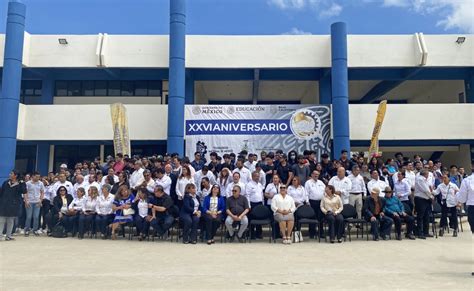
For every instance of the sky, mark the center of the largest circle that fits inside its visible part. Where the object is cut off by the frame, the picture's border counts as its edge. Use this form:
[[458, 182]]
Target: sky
[[248, 17]]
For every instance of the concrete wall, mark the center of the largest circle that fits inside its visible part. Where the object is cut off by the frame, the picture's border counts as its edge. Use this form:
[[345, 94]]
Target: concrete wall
[[107, 100]]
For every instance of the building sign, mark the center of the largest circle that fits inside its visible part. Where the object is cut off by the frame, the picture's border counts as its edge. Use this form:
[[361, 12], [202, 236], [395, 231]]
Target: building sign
[[255, 128]]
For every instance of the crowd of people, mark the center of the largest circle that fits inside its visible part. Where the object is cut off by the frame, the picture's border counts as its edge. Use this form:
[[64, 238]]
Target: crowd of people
[[152, 193]]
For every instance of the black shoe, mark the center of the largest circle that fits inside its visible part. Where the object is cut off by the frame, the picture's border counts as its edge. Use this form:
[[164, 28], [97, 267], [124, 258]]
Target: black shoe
[[411, 236], [333, 241], [455, 233], [384, 237], [422, 237], [241, 240], [232, 238], [375, 238], [185, 242], [399, 237], [194, 242], [339, 241], [429, 235], [441, 232], [209, 242]]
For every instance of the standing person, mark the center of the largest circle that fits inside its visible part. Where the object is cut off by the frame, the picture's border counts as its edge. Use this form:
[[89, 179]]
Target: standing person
[[163, 180], [213, 209], [46, 203], [269, 169], [342, 184], [331, 207], [119, 165], [237, 207], [301, 170], [254, 192], [137, 176], [245, 175], [123, 209], [224, 179], [272, 189], [315, 189], [423, 200], [104, 213], [122, 181], [204, 173], [198, 162], [184, 179], [297, 192], [402, 189], [63, 182], [283, 207], [236, 181], [283, 171], [358, 190], [190, 214], [33, 200], [10, 202], [376, 182], [448, 191]]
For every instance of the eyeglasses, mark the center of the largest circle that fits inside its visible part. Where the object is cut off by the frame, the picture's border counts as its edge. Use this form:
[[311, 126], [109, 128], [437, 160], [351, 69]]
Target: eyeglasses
[[234, 191]]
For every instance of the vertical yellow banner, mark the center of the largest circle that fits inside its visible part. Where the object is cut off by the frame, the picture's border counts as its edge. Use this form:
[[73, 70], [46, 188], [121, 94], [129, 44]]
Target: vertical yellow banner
[[120, 128], [374, 141]]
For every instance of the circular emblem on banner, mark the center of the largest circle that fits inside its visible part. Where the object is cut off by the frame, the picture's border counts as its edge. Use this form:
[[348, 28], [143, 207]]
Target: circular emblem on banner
[[230, 109], [196, 110], [305, 124], [273, 109]]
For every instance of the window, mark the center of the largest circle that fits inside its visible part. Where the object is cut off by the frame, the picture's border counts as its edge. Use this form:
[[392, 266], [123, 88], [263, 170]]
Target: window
[[74, 88], [127, 88], [114, 88], [141, 88], [30, 91], [154, 88], [88, 88], [61, 88], [100, 88]]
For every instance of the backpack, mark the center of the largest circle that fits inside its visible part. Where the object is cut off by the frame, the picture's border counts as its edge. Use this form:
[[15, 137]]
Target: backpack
[[58, 231]]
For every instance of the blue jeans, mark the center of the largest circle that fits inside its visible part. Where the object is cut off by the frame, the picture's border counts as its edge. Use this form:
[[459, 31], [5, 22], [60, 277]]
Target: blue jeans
[[32, 211]]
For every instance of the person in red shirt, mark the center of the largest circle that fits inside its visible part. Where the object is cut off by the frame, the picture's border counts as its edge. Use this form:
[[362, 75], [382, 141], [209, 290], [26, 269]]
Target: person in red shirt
[[119, 164]]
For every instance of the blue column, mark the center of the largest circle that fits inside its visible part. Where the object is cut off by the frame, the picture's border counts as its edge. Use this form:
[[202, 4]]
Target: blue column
[[42, 158], [47, 91], [339, 84], [177, 77], [11, 80], [469, 88], [189, 88], [325, 94]]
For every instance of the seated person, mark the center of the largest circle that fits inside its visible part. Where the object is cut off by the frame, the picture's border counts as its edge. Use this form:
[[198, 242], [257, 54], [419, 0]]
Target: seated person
[[161, 206], [213, 209], [283, 207], [190, 214], [331, 206], [237, 208], [59, 209], [396, 211], [86, 218], [142, 213], [373, 210], [123, 208], [104, 213], [74, 210]]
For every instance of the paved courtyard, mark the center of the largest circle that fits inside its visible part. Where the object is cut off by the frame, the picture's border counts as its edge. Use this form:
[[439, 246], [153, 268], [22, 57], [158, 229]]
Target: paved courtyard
[[41, 263]]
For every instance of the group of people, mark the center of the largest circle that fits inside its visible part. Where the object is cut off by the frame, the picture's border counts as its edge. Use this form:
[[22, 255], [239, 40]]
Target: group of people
[[152, 193]]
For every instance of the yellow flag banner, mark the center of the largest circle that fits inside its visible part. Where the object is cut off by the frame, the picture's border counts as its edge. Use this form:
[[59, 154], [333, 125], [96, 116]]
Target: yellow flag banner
[[374, 141], [120, 128]]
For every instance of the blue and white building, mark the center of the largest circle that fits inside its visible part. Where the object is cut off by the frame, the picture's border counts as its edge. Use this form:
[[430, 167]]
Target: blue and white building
[[56, 89]]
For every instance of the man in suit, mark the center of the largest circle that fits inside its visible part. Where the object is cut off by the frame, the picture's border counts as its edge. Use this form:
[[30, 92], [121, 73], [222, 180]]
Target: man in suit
[[380, 223]]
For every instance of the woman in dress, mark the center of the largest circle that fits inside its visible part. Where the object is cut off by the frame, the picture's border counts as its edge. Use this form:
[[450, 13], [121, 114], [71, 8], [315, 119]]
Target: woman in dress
[[123, 209]]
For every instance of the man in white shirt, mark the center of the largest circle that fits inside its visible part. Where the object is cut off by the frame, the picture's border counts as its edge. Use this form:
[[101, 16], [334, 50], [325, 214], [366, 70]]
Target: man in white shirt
[[410, 175], [254, 192], [251, 163], [342, 184], [402, 189], [92, 182], [376, 183], [204, 172], [423, 200], [111, 177], [315, 191], [235, 181], [147, 182], [163, 180], [448, 191], [466, 195], [357, 191], [80, 183], [245, 175], [63, 182], [137, 175]]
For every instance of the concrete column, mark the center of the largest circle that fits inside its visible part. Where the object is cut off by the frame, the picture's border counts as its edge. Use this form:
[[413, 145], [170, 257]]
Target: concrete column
[[469, 88], [176, 97], [189, 90], [339, 84], [42, 158], [11, 80], [325, 94], [47, 91]]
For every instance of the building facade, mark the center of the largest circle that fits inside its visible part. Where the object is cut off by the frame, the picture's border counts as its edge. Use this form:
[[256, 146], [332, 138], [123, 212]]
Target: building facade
[[56, 89]]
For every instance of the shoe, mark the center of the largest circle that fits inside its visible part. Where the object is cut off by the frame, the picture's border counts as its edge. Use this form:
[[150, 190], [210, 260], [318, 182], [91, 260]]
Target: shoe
[[399, 237], [384, 237], [411, 236], [429, 235], [422, 237], [339, 241], [455, 233], [375, 238], [36, 233], [49, 233], [103, 236], [212, 241], [284, 241], [185, 242], [194, 242], [20, 231], [39, 231], [27, 233], [8, 238], [209, 242], [288, 242], [114, 236], [241, 240], [232, 238], [332, 241], [441, 232]]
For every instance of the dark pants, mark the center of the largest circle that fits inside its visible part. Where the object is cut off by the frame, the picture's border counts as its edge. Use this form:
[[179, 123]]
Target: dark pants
[[256, 230], [102, 222], [161, 224], [45, 208], [335, 224], [470, 217], [20, 219], [381, 226], [276, 227], [86, 223], [409, 203], [453, 218], [70, 223], [190, 226], [142, 225], [315, 204], [423, 209], [212, 225], [408, 219]]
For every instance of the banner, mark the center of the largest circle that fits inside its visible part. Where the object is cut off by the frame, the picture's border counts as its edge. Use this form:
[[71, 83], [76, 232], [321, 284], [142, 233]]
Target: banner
[[374, 142], [255, 128], [120, 128]]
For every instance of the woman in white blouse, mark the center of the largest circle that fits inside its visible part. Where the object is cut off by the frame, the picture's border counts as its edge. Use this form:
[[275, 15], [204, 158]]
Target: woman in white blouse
[[224, 179], [142, 214], [104, 213], [87, 216], [297, 192], [272, 189], [184, 179], [75, 209], [283, 207], [331, 206]]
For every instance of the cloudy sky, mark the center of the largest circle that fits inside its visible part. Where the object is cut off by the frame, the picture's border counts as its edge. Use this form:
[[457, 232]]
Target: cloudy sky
[[249, 16]]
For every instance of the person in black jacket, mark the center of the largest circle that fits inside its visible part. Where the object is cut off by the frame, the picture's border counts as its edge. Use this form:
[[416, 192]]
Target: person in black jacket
[[10, 202], [190, 214], [380, 224], [162, 207], [60, 207]]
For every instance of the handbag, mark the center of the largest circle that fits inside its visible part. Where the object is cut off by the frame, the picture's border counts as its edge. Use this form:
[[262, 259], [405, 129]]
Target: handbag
[[297, 237], [58, 231], [128, 211]]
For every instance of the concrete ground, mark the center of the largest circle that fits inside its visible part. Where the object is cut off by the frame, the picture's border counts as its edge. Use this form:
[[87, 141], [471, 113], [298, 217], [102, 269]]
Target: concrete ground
[[42, 263]]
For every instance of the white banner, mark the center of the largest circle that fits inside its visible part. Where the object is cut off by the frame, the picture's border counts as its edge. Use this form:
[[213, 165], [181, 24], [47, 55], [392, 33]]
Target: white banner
[[255, 128]]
